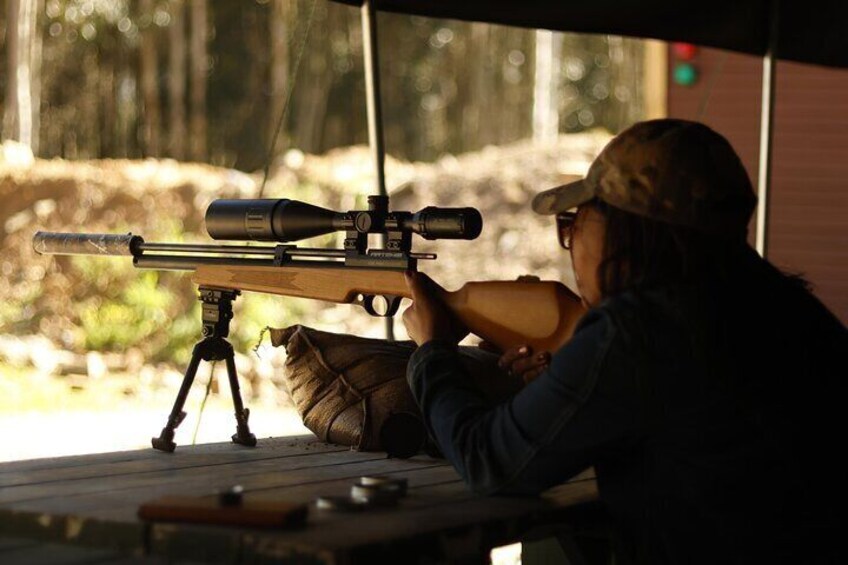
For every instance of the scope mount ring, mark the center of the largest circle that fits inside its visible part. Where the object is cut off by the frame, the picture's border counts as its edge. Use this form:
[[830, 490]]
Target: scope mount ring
[[392, 304]]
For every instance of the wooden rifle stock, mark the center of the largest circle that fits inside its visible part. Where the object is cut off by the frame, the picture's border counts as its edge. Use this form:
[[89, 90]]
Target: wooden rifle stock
[[541, 314]]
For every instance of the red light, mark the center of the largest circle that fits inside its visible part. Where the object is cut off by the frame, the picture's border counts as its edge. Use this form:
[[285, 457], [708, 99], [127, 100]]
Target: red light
[[684, 51]]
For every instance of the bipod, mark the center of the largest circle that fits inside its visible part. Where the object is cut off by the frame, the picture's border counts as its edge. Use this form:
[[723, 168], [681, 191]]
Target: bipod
[[217, 312]]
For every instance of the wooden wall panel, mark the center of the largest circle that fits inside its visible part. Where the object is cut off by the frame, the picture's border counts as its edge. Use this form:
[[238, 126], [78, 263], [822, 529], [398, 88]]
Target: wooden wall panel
[[808, 232]]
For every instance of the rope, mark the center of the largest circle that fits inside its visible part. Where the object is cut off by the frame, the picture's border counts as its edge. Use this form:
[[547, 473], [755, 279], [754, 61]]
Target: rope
[[282, 120], [708, 91], [203, 402]]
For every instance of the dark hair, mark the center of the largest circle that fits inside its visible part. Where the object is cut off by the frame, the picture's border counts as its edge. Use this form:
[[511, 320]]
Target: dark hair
[[641, 252]]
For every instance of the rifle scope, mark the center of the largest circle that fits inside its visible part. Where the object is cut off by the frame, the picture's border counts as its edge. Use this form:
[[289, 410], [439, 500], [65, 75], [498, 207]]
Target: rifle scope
[[286, 220]]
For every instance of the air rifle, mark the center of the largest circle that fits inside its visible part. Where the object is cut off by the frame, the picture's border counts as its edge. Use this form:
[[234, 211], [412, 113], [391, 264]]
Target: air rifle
[[541, 314]]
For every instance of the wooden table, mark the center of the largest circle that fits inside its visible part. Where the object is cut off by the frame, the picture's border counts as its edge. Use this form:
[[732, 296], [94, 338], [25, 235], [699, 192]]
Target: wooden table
[[92, 500]]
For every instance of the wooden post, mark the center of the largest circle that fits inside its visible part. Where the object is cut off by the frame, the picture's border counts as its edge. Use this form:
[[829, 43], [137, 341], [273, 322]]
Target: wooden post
[[375, 110], [766, 134], [546, 87], [655, 79]]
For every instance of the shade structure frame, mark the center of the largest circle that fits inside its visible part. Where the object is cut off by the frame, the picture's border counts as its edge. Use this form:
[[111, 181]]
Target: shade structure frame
[[374, 106], [810, 31], [785, 29]]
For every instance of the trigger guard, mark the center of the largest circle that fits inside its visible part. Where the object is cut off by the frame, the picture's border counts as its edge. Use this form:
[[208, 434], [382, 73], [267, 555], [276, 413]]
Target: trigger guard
[[392, 305]]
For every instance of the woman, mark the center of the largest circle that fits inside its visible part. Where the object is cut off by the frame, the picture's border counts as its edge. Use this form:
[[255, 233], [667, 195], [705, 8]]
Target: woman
[[703, 384]]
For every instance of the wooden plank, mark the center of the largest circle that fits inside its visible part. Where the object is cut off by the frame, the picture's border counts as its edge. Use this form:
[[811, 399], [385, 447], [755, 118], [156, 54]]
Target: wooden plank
[[10, 543], [431, 511], [207, 476], [180, 541], [148, 453], [186, 459], [449, 506], [53, 554], [119, 536], [461, 527], [26, 551], [440, 517], [296, 483], [109, 517]]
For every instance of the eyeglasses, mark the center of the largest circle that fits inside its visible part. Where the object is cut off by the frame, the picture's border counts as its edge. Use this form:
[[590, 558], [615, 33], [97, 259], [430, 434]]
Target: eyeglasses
[[565, 228]]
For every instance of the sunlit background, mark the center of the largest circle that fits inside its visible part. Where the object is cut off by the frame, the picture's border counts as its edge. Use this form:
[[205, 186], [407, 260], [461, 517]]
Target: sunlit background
[[133, 116], [122, 116]]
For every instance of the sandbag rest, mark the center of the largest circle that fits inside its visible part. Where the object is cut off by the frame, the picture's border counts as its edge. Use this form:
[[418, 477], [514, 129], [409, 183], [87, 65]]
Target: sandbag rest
[[352, 390]]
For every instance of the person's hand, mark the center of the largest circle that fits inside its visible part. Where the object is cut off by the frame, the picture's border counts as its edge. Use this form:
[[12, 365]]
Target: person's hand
[[520, 361], [428, 318]]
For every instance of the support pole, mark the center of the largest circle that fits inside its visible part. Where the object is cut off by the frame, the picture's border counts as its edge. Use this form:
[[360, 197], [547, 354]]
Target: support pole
[[766, 133], [372, 94], [375, 110]]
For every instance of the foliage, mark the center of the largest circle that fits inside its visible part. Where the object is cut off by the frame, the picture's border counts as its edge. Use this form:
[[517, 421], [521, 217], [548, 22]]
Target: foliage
[[123, 321], [442, 79]]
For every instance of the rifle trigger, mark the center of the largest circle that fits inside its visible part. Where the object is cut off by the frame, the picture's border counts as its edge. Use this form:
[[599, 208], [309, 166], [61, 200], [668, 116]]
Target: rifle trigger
[[389, 305]]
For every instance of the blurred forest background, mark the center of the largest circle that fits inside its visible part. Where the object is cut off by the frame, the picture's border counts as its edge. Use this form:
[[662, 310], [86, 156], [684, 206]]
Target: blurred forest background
[[133, 116], [206, 80]]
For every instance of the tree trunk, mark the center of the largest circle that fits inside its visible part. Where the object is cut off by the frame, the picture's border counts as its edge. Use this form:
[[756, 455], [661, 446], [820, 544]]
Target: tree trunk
[[10, 111], [476, 123], [546, 87], [21, 33], [177, 81], [149, 71], [199, 68], [108, 114], [279, 73], [36, 44]]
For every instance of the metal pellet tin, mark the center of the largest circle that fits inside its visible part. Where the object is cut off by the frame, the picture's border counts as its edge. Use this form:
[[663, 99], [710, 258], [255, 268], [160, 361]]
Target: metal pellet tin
[[374, 494], [398, 485], [339, 504]]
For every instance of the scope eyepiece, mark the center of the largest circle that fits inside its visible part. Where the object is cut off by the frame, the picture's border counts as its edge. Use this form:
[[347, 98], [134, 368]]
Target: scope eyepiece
[[445, 223], [285, 220]]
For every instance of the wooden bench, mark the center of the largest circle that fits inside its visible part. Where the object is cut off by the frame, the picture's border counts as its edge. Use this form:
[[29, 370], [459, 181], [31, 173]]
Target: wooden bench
[[92, 501]]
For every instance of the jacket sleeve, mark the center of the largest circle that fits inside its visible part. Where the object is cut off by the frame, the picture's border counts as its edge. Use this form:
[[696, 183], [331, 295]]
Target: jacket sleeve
[[551, 430]]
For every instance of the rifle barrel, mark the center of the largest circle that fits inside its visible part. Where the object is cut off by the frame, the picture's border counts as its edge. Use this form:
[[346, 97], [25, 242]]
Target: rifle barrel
[[239, 249], [189, 263], [155, 255]]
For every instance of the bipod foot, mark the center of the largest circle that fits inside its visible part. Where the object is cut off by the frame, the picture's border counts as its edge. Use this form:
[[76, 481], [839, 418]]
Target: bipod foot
[[162, 443], [243, 435], [165, 441]]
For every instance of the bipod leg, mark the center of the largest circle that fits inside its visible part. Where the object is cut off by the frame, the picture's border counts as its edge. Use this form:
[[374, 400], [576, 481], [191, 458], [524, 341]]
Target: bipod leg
[[242, 435], [165, 441]]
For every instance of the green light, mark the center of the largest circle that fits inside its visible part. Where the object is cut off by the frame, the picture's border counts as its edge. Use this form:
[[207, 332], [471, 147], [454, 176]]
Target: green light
[[685, 74]]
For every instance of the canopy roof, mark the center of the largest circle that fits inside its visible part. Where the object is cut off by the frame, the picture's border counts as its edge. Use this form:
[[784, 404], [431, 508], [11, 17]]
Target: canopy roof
[[813, 31]]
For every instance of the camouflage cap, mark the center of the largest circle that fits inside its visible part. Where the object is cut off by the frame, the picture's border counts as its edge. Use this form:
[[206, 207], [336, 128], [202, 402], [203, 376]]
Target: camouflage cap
[[672, 171]]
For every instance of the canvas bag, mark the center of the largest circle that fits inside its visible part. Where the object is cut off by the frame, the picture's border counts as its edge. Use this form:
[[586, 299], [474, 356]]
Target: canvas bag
[[352, 390]]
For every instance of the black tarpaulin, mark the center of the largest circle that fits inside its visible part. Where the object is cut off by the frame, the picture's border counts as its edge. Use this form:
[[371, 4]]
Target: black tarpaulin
[[811, 31]]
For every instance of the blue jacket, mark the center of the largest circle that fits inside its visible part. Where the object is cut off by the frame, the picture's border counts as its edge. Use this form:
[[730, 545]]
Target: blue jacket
[[711, 413]]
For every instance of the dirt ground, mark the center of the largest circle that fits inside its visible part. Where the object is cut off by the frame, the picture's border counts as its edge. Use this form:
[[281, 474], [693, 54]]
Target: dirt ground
[[51, 416]]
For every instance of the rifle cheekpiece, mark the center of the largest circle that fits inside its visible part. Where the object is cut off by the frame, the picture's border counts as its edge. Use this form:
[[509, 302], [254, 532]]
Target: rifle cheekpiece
[[280, 221]]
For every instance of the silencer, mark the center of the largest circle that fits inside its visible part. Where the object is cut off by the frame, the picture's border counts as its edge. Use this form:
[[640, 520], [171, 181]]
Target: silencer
[[53, 243]]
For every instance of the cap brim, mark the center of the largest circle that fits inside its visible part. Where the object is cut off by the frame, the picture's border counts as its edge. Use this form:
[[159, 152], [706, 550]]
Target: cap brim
[[563, 197]]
